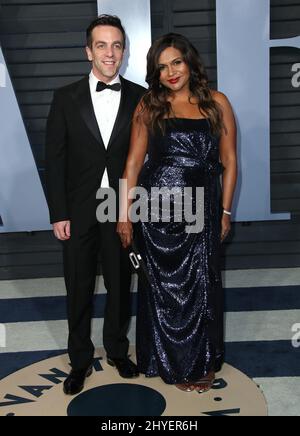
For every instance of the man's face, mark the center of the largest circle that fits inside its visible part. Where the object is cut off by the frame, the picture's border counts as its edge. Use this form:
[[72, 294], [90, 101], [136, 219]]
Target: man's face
[[106, 53]]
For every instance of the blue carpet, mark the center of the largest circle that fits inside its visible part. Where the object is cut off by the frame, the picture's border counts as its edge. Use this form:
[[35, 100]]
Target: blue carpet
[[256, 359], [12, 362], [264, 358], [236, 300]]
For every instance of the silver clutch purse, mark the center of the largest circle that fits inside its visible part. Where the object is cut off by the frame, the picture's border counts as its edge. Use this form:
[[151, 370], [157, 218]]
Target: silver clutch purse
[[138, 263]]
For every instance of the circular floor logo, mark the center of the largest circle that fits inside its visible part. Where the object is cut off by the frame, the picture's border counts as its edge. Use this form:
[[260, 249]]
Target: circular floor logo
[[37, 391]]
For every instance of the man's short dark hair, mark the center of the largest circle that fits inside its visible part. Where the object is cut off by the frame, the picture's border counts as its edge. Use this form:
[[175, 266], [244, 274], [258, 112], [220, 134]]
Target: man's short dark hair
[[104, 20]]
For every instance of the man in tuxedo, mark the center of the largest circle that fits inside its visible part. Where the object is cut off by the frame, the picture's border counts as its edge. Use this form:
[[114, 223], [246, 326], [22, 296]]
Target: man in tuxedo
[[88, 135]]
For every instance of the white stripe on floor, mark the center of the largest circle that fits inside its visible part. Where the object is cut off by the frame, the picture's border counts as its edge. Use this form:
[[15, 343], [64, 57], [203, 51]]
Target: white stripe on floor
[[240, 327], [282, 395], [54, 287], [49, 335], [261, 277], [50, 287], [275, 325]]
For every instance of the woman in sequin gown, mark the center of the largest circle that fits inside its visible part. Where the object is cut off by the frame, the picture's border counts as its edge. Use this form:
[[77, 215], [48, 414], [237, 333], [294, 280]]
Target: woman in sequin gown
[[191, 142]]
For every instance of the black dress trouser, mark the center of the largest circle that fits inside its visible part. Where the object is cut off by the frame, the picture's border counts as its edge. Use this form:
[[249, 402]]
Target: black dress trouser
[[80, 254]]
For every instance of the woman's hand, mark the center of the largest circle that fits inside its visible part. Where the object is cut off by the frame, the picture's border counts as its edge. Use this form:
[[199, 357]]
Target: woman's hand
[[125, 231], [226, 226]]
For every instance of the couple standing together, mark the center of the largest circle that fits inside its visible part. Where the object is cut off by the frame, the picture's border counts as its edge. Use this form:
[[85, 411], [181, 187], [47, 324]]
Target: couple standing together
[[100, 130]]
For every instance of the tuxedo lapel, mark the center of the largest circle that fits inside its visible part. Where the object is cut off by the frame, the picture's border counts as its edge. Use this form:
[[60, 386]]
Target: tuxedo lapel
[[122, 116], [84, 100]]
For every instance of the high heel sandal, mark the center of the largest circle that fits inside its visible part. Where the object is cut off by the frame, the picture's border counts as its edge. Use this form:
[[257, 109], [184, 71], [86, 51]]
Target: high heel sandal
[[205, 384], [186, 387]]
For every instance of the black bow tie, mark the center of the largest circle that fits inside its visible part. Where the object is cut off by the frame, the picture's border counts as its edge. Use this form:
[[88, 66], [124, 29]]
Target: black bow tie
[[101, 86]]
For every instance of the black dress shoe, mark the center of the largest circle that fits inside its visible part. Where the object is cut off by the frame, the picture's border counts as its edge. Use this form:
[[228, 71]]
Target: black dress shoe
[[125, 367], [74, 383]]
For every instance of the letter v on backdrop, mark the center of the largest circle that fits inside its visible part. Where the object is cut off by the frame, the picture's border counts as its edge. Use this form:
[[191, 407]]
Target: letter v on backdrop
[[22, 201]]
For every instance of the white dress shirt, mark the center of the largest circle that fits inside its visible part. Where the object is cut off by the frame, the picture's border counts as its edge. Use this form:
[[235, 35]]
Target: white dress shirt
[[106, 106]]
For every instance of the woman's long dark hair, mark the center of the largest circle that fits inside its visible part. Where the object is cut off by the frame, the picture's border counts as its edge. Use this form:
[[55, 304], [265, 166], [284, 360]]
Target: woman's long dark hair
[[155, 103]]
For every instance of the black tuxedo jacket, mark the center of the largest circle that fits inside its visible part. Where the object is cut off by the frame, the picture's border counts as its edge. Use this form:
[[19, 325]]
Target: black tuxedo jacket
[[75, 153]]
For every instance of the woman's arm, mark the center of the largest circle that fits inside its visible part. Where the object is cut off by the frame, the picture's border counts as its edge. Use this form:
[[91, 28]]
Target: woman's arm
[[134, 164], [228, 155]]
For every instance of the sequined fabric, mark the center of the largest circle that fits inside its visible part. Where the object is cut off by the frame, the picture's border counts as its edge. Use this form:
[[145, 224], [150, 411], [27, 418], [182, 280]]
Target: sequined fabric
[[180, 314]]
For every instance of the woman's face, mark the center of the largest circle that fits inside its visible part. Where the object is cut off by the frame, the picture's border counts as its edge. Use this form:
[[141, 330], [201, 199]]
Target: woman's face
[[174, 72]]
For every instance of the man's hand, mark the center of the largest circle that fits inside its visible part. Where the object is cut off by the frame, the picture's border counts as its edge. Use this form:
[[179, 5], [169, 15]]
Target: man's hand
[[62, 230]]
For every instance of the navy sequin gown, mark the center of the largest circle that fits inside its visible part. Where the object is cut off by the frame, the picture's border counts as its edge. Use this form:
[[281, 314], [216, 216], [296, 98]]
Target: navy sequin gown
[[180, 313]]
